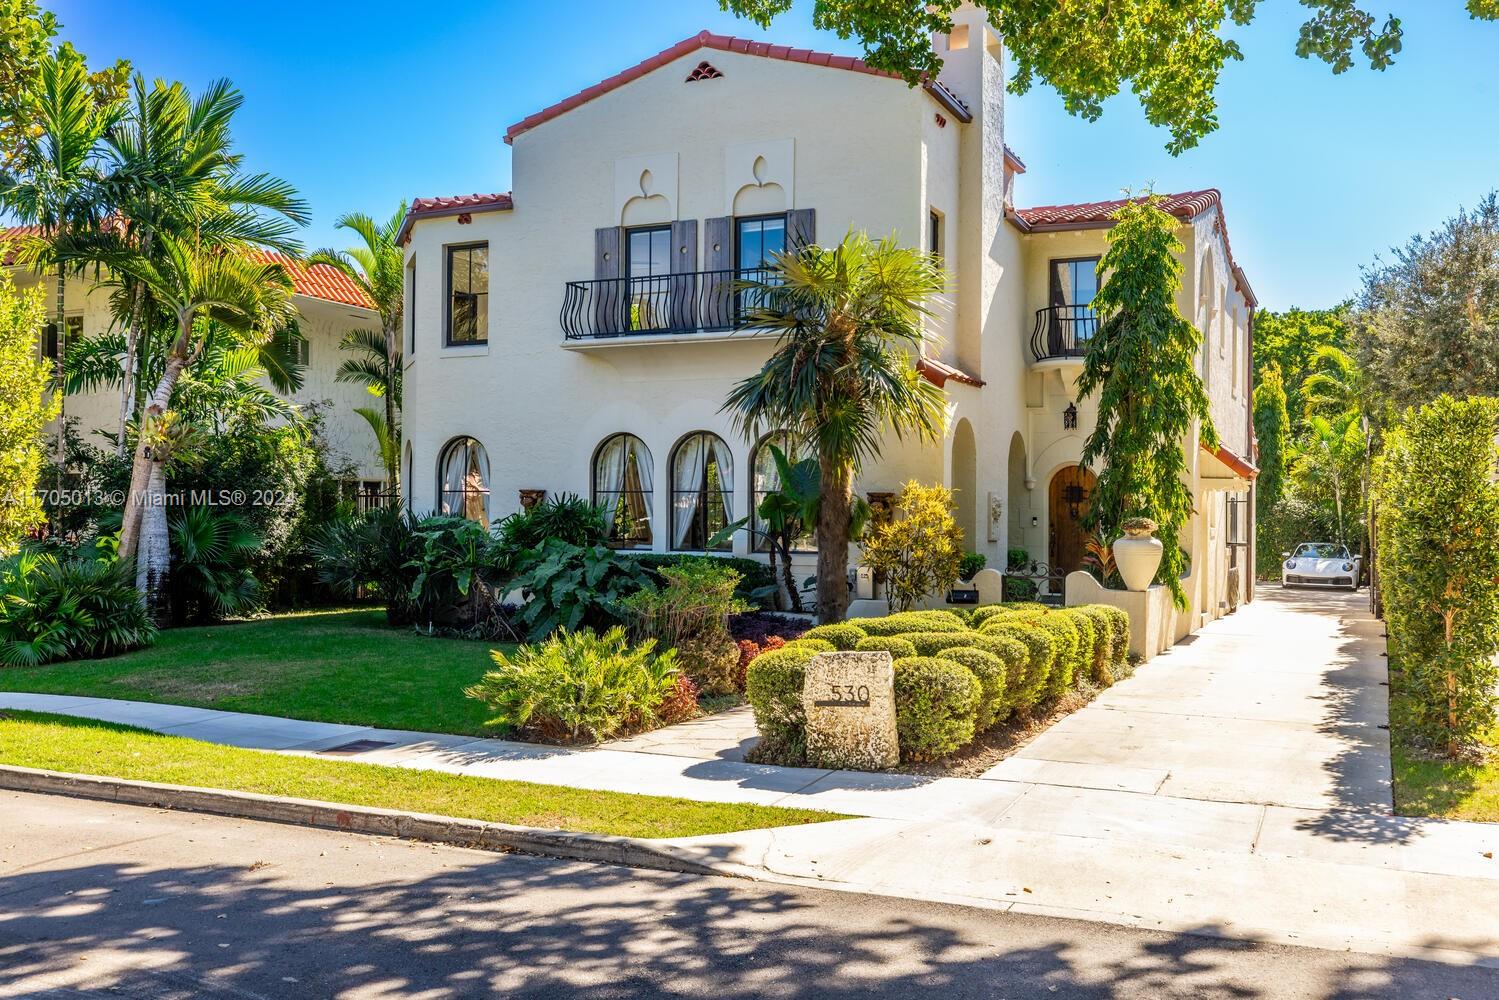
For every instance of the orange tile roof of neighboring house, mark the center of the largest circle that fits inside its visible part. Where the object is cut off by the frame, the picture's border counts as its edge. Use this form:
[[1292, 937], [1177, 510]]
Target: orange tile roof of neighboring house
[[457, 204], [1243, 467], [11, 233], [320, 281], [1185, 205], [938, 373], [727, 43]]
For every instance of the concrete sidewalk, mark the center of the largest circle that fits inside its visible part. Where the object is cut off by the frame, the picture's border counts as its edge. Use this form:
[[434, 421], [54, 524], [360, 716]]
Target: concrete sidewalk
[[1238, 784]]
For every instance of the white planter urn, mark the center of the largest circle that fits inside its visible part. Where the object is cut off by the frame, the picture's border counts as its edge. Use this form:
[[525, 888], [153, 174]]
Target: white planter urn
[[1138, 556]]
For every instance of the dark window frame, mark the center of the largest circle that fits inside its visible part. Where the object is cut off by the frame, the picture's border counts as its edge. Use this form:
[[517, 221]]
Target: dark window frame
[[647, 497], [702, 492], [411, 305], [54, 346], [443, 454], [448, 251], [934, 231], [1051, 276], [739, 220]]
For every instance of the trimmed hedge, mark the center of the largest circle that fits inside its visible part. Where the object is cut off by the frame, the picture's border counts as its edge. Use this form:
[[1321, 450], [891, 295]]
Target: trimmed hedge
[[811, 645], [1068, 649], [912, 621], [843, 635], [936, 705], [989, 671], [773, 685], [931, 643], [892, 644], [1041, 653]]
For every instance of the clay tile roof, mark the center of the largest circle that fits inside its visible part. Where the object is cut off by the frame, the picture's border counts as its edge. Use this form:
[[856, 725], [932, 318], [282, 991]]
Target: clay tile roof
[[1185, 205], [1242, 466], [457, 204], [9, 235], [725, 43], [938, 373], [320, 281]]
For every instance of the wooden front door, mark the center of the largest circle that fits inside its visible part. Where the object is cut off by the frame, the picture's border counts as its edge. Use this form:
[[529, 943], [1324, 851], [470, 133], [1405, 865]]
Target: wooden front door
[[1071, 492]]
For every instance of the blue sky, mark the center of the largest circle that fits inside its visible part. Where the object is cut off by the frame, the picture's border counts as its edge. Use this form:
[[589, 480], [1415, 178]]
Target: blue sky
[[363, 105]]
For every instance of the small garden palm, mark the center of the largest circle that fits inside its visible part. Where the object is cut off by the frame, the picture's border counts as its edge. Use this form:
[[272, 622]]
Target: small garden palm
[[842, 375]]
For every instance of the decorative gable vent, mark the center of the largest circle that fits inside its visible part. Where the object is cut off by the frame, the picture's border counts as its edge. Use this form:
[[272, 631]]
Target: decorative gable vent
[[705, 71]]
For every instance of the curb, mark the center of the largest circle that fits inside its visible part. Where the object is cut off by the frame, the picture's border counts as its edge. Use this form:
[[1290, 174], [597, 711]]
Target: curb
[[477, 834]]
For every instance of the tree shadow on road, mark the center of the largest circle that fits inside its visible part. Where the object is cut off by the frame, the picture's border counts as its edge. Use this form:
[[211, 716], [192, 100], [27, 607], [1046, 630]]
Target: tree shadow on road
[[517, 926]]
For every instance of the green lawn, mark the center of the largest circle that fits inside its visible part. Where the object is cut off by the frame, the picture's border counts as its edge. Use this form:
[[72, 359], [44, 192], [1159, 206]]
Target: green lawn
[[326, 666], [83, 746], [1426, 787]]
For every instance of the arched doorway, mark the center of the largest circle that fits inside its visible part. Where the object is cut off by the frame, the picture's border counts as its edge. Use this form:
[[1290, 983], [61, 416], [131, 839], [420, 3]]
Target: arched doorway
[[1070, 494], [965, 484]]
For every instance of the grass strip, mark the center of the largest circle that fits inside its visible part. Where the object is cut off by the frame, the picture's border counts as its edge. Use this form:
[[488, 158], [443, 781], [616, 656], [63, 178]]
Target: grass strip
[[85, 746]]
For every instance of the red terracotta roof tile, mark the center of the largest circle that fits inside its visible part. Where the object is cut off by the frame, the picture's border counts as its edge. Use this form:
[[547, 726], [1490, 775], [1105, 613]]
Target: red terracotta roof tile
[[724, 43], [938, 373], [9, 235], [1234, 462], [1090, 214], [457, 204], [320, 281]]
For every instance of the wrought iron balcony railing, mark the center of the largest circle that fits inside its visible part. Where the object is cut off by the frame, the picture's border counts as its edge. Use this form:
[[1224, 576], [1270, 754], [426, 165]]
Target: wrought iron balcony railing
[[1063, 332], [697, 302]]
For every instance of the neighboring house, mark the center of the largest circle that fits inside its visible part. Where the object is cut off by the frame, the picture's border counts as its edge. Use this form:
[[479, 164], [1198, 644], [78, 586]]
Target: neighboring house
[[329, 305], [577, 335]]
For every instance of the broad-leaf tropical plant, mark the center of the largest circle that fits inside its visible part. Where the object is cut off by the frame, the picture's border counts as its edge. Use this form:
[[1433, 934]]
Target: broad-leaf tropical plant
[[848, 322]]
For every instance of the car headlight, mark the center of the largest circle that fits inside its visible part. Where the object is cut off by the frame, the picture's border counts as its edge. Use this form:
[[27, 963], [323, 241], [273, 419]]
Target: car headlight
[[1290, 564], [1348, 567]]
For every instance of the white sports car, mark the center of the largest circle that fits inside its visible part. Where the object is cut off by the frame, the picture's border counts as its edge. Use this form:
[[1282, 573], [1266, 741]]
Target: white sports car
[[1319, 564]]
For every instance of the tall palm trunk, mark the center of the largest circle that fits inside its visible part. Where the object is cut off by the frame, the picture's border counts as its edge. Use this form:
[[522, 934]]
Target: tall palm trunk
[[392, 455], [145, 490], [62, 352], [832, 539], [154, 564]]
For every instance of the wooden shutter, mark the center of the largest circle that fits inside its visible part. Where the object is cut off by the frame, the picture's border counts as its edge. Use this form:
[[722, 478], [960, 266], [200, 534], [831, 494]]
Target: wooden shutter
[[611, 298], [718, 256], [801, 227], [685, 289]]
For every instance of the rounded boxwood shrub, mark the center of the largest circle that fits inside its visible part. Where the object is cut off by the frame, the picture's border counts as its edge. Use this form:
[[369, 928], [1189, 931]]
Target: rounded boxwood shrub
[[983, 613], [1041, 652], [773, 685], [930, 643], [1101, 671], [1068, 643], [1016, 659], [812, 645], [1086, 659], [843, 635], [912, 621], [892, 644], [1118, 620], [989, 671], [936, 704]]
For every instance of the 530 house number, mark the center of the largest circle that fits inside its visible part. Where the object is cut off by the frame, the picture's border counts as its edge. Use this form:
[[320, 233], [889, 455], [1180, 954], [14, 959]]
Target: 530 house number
[[846, 695]]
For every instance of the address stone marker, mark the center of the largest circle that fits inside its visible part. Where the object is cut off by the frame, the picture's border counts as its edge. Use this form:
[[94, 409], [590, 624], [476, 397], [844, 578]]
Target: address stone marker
[[849, 699]]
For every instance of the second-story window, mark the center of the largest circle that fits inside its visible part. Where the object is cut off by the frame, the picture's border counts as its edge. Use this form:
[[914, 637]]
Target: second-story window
[[648, 261], [468, 294], [1074, 283], [411, 304], [757, 240], [934, 233]]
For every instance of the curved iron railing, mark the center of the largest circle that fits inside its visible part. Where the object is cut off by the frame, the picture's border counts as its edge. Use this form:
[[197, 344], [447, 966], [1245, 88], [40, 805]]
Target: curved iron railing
[[1063, 332], [699, 301]]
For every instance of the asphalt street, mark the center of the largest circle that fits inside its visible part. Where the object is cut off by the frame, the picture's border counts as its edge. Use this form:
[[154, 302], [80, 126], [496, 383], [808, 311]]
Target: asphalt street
[[99, 900]]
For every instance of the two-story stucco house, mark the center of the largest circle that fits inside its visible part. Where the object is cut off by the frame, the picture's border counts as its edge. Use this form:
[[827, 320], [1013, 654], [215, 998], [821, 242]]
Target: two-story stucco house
[[328, 304], [577, 334]]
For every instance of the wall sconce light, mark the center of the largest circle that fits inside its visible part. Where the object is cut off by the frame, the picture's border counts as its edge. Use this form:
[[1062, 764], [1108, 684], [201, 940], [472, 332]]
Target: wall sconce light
[[1069, 417], [1035, 521]]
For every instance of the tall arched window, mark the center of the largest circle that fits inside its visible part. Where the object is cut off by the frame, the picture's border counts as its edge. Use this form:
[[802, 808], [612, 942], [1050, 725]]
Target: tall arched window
[[702, 491], [765, 479], [463, 480], [622, 473]]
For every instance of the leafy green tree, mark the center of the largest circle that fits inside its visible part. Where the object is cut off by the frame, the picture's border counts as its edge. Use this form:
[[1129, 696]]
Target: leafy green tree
[[1169, 52], [1329, 469], [24, 411], [1439, 560], [1142, 365], [842, 375], [1289, 341], [1427, 323], [920, 550], [378, 267], [1272, 431]]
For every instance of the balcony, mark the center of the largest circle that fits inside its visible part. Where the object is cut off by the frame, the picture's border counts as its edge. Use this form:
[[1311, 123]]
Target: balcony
[[1063, 332], [665, 306]]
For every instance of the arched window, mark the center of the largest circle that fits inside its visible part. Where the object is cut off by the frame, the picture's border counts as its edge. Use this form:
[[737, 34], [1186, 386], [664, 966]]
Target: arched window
[[765, 479], [622, 473], [463, 480], [702, 491]]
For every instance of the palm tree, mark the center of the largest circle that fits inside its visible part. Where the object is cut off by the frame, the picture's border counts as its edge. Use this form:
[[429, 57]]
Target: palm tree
[[56, 186], [842, 374], [1332, 455], [173, 169], [378, 267], [1336, 384], [205, 287]]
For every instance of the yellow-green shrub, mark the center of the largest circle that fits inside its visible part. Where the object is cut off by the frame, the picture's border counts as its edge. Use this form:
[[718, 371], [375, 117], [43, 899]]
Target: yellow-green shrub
[[843, 635], [931, 643], [936, 705], [912, 621], [1064, 636], [989, 671], [892, 644], [773, 685], [811, 645], [1041, 653], [1118, 620]]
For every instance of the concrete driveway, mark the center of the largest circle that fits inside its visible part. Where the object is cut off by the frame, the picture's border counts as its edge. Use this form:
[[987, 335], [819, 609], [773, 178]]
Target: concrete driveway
[[1284, 703]]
